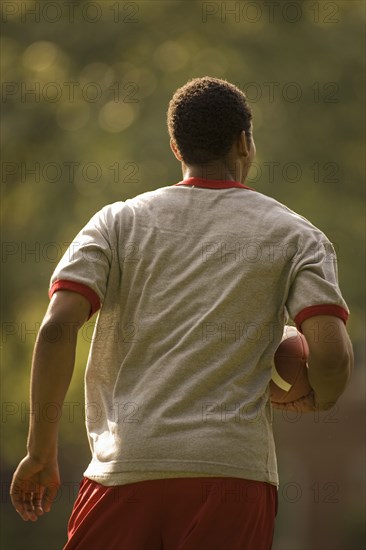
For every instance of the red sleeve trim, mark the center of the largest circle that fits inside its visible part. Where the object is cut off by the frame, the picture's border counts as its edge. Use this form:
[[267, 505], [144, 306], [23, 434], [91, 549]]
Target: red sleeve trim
[[82, 289], [323, 309]]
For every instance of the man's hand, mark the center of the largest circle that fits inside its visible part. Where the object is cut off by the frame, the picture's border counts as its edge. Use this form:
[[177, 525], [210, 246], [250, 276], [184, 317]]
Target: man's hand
[[34, 487], [304, 404]]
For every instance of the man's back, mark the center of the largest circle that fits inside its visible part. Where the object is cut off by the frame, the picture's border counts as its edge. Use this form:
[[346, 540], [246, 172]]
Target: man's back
[[195, 283]]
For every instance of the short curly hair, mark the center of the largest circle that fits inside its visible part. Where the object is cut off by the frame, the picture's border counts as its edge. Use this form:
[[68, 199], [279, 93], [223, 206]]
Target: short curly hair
[[205, 116]]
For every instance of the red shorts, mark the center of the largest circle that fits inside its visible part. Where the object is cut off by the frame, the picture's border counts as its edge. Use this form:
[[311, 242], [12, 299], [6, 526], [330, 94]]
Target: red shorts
[[202, 513]]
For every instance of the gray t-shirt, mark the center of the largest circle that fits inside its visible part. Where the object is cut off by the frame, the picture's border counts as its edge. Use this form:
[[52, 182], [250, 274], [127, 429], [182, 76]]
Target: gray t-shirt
[[195, 284]]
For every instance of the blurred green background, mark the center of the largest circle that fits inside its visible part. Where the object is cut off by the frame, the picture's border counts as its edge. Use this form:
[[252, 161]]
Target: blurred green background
[[85, 89]]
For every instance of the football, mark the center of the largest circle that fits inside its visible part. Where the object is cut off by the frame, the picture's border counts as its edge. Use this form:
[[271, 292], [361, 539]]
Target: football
[[290, 370]]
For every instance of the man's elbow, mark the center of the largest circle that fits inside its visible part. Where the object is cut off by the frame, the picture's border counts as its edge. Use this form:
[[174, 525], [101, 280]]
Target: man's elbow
[[332, 362]]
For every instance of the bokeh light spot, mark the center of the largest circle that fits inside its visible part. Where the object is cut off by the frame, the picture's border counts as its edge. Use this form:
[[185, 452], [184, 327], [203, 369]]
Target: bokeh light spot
[[116, 117], [40, 55]]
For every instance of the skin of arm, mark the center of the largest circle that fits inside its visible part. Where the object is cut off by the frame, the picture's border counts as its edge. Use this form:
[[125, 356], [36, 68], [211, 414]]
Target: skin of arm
[[330, 363], [36, 480]]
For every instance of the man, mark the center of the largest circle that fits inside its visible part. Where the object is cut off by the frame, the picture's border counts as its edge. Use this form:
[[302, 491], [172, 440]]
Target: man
[[194, 282]]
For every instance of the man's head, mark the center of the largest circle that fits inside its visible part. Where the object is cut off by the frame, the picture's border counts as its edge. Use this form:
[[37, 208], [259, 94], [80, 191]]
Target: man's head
[[209, 123]]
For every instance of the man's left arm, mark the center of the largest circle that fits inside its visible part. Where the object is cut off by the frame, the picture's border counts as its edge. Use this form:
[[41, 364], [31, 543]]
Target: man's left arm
[[36, 480]]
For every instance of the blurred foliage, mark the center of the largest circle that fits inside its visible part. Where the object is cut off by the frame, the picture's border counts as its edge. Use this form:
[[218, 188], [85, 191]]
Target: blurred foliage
[[93, 131]]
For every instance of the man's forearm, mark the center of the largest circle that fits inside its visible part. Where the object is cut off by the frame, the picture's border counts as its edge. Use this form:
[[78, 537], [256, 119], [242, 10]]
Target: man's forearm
[[52, 368], [329, 381]]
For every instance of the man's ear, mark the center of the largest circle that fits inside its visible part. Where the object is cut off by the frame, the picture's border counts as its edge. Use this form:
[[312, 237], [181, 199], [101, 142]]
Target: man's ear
[[243, 144], [175, 151]]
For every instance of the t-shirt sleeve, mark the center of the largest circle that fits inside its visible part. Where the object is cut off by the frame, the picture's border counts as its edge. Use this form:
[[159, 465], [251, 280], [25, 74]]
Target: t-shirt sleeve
[[315, 289], [85, 266]]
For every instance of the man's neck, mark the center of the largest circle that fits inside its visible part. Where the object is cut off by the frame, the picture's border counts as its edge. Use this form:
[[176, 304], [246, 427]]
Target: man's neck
[[209, 172]]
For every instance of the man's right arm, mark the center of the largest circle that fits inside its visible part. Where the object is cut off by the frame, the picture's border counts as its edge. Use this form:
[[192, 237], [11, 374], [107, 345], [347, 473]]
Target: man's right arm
[[330, 359]]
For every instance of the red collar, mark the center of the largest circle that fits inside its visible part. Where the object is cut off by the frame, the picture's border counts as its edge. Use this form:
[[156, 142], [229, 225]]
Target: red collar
[[212, 184]]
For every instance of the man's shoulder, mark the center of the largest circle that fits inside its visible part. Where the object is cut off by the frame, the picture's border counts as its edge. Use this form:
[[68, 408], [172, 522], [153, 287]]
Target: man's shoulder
[[277, 208], [125, 209], [285, 221]]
